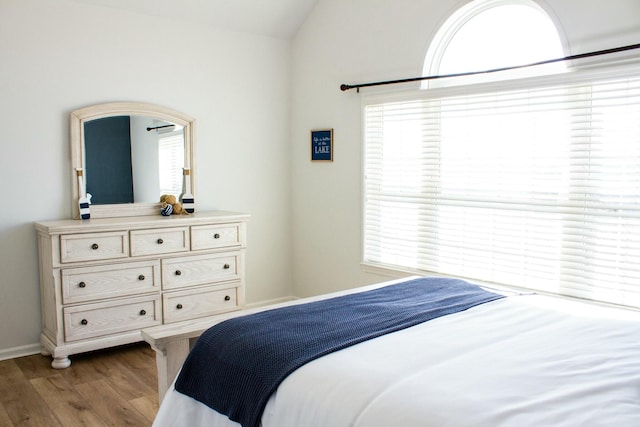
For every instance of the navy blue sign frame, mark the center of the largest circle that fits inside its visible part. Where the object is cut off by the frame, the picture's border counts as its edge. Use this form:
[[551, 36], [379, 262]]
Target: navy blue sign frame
[[322, 145]]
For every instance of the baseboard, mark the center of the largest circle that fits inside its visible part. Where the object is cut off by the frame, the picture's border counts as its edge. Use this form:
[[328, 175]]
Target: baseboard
[[25, 350], [271, 301]]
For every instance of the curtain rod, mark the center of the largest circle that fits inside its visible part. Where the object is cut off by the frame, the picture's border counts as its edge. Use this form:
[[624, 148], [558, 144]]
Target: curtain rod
[[345, 87], [149, 129]]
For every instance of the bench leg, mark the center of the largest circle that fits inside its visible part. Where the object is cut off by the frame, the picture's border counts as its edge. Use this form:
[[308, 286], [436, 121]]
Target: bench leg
[[169, 359]]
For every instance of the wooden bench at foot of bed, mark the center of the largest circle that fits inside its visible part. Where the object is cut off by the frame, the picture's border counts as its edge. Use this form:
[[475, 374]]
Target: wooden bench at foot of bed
[[173, 341]]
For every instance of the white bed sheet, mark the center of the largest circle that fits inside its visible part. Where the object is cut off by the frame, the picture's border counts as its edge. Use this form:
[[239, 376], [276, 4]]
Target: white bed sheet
[[520, 361]]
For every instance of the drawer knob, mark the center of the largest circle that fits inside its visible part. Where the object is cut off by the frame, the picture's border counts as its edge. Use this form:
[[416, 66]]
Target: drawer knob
[[216, 236], [178, 272], [160, 241], [179, 306], [94, 246], [82, 285], [84, 322], [227, 266], [143, 312], [227, 298], [141, 277]]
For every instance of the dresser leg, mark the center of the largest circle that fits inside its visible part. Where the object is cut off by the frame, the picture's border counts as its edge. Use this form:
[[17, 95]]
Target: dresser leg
[[60, 362]]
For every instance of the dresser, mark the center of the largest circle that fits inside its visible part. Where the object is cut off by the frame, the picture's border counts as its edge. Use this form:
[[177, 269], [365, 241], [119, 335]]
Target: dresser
[[103, 280]]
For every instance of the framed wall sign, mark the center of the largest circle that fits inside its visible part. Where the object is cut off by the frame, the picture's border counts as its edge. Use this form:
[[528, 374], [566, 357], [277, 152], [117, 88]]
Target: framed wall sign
[[322, 145]]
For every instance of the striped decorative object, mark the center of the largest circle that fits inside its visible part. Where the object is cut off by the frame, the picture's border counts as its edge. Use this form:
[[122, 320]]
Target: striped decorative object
[[187, 198], [166, 210], [83, 201]]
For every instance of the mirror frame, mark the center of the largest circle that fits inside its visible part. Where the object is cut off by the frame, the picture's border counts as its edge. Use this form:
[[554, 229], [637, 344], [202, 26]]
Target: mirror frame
[[82, 115]]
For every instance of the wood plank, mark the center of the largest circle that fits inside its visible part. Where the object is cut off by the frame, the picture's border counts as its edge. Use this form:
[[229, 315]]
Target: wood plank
[[127, 383], [147, 405], [96, 365], [116, 370], [136, 358], [34, 394], [19, 401], [87, 367], [67, 404], [25, 407], [10, 374], [35, 366], [4, 417], [112, 408]]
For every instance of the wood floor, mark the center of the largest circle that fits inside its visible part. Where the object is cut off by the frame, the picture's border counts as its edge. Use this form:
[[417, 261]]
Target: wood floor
[[114, 387]]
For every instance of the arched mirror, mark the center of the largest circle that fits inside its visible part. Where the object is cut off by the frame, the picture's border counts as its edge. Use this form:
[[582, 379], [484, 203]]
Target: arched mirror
[[130, 154]]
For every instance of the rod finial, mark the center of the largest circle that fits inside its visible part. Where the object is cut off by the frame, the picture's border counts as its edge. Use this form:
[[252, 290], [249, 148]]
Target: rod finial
[[344, 87]]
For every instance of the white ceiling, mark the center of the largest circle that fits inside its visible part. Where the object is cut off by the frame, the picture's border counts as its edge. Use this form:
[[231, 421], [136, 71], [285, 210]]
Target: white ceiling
[[274, 18]]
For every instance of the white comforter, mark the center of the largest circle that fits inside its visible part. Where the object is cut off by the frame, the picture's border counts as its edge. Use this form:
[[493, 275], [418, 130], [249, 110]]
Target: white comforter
[[520, 361]]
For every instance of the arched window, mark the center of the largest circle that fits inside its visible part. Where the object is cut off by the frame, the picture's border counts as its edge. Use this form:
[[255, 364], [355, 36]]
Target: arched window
[[490, 34], [528, 181]]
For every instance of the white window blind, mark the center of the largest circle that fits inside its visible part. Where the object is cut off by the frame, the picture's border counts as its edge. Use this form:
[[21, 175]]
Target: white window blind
[[171, 161], [536, 188]]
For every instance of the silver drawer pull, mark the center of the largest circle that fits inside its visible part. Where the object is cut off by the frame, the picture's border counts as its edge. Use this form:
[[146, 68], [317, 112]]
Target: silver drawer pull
[[82, 285]]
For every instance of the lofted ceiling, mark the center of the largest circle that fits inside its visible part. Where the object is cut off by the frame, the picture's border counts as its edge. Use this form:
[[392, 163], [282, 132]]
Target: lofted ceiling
[[272, 18]]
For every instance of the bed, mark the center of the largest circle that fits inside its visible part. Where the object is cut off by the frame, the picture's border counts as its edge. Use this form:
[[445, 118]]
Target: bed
[[501, 360]]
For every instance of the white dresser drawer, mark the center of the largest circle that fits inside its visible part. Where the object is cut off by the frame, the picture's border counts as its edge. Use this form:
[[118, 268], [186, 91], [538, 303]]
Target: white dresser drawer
[[200, 269], [107, 281], [215, 236], [159, 241], [93, 246], [199, 302], [93, 320]]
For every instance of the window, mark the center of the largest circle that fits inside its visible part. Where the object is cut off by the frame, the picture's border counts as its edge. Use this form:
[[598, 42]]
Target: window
[[533, 182], [171, 160], [490, 34]]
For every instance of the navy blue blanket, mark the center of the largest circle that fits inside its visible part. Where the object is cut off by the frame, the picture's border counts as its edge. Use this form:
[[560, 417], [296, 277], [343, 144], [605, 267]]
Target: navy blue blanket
[[236, 365]]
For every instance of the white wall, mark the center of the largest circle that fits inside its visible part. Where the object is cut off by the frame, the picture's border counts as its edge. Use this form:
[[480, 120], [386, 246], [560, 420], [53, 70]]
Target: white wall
[[57, 56], [359, 41]]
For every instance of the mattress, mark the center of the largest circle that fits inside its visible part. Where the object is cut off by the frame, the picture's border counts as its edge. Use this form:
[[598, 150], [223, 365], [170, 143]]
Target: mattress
[[525, 360]]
